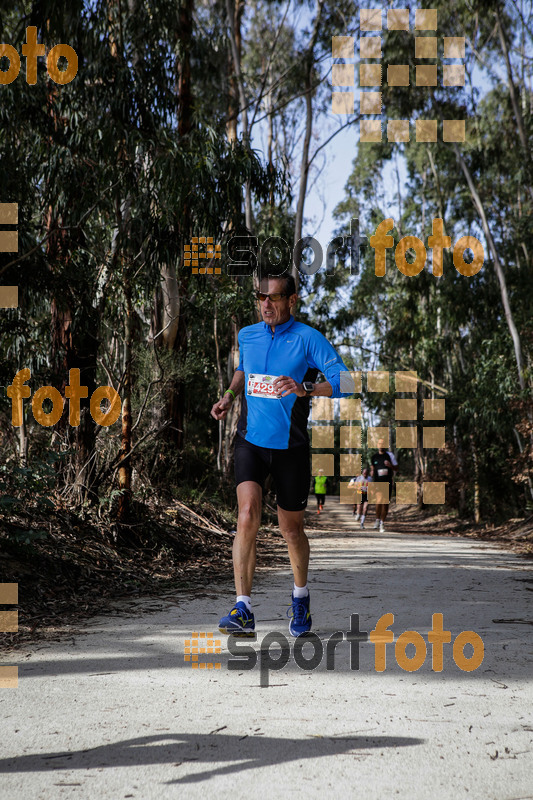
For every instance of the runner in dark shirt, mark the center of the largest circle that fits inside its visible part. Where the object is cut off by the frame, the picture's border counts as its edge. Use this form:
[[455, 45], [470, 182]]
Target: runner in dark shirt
[[384, 465]]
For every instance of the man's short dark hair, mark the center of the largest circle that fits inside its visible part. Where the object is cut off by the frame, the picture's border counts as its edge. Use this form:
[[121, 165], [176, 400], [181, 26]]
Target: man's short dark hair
[[290, 285]]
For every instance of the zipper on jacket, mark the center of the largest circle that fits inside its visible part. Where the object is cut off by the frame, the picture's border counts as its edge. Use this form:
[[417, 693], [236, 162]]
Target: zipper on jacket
[[268, 351]]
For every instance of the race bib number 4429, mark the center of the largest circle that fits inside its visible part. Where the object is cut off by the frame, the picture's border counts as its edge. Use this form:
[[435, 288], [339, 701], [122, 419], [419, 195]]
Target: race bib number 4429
[[262, 386]]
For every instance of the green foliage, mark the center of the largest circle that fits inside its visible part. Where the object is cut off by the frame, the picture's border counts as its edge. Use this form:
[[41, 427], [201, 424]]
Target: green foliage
[[23, 488], [453, 330], [110, 193]]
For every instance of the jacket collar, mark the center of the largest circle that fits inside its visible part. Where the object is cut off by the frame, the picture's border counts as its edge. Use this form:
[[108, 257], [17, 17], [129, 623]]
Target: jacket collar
[[279, 328]]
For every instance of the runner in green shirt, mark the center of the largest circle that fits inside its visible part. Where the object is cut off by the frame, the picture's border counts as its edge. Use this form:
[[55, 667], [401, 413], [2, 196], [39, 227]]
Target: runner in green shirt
[[320, 490]]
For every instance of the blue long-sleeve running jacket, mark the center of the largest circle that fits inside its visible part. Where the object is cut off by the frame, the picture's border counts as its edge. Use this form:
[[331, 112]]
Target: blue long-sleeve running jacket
[[295, 350]]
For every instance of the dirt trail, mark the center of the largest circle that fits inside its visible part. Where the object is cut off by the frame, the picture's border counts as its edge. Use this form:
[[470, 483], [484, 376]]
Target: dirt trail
[[516, 534], [117, 711]]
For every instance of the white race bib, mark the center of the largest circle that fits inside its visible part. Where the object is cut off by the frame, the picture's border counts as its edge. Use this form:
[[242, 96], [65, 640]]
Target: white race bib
[[383, 471], [262, 386]]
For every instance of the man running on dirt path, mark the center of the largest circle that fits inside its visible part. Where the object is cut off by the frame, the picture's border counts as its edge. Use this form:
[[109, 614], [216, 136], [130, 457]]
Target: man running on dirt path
[[384, 465], [280, 359]]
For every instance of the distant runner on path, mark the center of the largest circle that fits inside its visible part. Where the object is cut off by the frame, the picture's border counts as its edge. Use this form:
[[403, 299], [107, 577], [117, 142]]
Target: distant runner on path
[[384, 465], [361, 484], [321, 483], [280, 359]]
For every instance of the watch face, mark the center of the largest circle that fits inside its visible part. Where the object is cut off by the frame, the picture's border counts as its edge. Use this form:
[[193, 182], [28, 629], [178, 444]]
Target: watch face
[[308, 386]]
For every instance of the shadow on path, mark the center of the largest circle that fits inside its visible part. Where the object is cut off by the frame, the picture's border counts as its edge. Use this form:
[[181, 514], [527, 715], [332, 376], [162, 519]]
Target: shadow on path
[[209, 749]]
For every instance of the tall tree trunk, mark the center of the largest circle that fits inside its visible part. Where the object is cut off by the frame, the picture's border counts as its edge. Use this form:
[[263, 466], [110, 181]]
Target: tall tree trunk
[[234, 413], [304, 175], [477, 504], [305, 162], [236, 107], [510, 84], [23, 441], [462, 472], [420, 468], [234, 11], [497, 268], [220, 388], [72, 347], [270, 141], [169, 325], [186, 9], [124, 471]]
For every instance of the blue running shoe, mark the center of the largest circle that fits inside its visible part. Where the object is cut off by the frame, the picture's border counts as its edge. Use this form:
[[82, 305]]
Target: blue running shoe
[[300, 616], [239, 621]]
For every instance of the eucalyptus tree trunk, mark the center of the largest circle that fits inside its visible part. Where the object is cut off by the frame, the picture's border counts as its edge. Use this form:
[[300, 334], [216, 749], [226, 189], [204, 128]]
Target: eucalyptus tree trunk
[[232, 419], [73, 346], [237, 109], [234, 11], [124, 471], [220, 380], [305, 162], [475, 462], [420, 466], [169, 324], [497, 268], [512, 92]]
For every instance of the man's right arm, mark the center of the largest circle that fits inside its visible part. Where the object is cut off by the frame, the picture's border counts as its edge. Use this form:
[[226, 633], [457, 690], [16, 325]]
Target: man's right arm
[[222, 406]]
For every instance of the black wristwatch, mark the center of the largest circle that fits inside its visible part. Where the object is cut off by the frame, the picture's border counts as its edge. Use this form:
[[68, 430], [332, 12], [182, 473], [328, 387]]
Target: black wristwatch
[[308, 387]]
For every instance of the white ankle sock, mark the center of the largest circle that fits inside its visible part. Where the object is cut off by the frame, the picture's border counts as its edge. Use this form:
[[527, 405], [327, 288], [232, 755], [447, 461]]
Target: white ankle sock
[[244, 598], [362, 519], [300, 591]]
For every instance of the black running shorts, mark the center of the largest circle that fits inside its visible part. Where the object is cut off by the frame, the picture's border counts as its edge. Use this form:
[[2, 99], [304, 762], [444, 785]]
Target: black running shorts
[[381, 480], [289, 468]]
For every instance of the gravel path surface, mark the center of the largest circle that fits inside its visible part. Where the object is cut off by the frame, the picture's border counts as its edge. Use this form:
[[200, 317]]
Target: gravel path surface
[[115, 710]]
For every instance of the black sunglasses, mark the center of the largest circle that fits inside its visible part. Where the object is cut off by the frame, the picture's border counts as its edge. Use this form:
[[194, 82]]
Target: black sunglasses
[[272, 297]]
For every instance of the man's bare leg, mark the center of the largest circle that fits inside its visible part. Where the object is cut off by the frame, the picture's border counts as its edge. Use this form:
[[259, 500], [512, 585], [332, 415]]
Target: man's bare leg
[[291, 525], [249, 498]]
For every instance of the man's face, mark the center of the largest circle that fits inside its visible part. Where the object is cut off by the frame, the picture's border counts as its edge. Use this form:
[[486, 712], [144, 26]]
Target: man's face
[[275, 312], [381, 445]]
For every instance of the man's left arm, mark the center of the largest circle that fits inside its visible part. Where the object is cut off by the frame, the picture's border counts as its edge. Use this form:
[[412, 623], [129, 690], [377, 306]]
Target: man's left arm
[[285, 385], [323, 356]]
